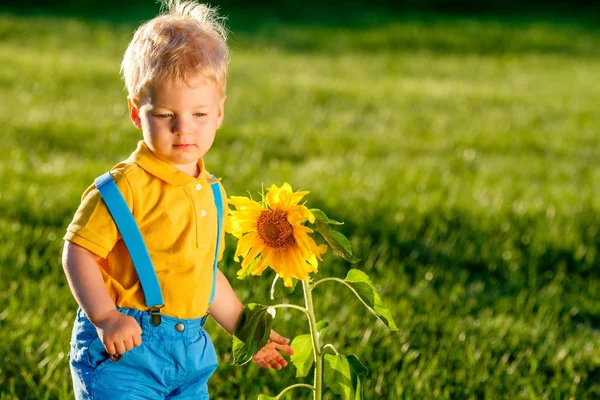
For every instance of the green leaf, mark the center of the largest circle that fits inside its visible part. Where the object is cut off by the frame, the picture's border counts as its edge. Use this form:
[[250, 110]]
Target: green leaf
[[338, 242], [345, 243], [322, 325], [321, 328], [345, 375], [252, 332], [365, 290], [303, 357], [320, 215], [265, 397]]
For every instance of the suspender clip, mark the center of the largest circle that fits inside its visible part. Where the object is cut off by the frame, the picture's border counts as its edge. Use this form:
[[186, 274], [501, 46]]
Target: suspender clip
[[203, 320], [155, 317]]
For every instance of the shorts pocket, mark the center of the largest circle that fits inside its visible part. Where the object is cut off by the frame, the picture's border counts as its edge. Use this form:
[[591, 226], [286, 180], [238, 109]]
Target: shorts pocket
[[82, 336], [207, 352], [86, 347], [97, 355]]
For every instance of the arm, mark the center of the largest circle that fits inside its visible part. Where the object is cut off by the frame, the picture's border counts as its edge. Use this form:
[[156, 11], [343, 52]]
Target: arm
[[118, 332], [226, 309], [85, 281]]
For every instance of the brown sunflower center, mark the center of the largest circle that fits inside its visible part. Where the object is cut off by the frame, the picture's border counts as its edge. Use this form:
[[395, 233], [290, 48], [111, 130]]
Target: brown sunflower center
[[274, 229]]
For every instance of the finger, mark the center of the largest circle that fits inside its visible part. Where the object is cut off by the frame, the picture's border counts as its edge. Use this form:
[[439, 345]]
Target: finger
[[265, 362], [277, 338], [260, 362], [110, 348], [279, 362], [119, 348], [282, 362], [137, 340], [270, 365], [128, 344], [285, 348], [266, 359], [276, 365], [258, 359]]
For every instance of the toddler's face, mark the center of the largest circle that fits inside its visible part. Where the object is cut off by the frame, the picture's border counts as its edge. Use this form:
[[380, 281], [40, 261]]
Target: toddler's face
[[179, 122]]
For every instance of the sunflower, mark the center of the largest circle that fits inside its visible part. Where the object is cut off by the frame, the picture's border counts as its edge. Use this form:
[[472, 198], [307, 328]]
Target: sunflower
[[274, 235]]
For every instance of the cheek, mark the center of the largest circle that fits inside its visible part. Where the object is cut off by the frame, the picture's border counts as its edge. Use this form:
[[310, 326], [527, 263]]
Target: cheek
[[155, 127], [146, 124], [214, 124]]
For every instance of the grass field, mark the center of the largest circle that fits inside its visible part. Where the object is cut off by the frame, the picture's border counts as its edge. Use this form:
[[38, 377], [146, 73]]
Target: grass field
[[461, 152]]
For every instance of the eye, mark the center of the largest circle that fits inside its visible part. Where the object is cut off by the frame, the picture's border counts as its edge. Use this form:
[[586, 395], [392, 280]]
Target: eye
[[164, 115], [199, 114]]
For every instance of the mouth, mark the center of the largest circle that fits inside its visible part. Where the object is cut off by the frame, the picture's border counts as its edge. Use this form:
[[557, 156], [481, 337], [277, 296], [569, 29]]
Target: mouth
[[183, 146]]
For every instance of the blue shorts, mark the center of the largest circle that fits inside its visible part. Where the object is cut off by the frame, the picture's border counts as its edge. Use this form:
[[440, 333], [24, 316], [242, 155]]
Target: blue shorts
[[170, 363]]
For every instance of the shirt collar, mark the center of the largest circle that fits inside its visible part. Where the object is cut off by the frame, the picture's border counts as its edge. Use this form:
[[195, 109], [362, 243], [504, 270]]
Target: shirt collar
[[145, 158]]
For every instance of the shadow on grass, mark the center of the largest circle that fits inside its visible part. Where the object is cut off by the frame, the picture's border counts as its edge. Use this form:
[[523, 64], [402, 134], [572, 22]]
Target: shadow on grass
[[438, 27]]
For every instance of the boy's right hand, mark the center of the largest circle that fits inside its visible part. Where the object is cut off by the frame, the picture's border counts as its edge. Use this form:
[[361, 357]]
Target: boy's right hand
[[118, 332]]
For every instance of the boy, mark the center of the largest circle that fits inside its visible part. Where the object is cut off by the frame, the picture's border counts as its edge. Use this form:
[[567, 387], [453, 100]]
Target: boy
[[122, 347]]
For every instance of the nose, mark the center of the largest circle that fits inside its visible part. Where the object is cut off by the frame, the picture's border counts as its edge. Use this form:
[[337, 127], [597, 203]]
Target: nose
[[181, 126]]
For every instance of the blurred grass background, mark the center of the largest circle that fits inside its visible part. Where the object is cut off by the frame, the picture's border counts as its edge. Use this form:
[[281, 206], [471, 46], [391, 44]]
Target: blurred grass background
[[458, 140]]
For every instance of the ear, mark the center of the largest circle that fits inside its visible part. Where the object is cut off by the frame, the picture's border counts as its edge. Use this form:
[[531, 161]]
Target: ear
[[221, 112], [134, 112]]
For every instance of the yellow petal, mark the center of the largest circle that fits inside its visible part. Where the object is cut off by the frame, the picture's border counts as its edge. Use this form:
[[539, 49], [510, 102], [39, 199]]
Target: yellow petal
[[244, 204], [307, 244], [280, 198], [263, 263], [297, 196], [241, 226], [244, 245], [299, 214], [276, 262], [288, 282], [256, 250]]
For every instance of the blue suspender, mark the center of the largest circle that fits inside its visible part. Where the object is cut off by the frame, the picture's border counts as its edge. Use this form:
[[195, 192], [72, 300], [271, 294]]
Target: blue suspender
[[135, 243], [219, 203], [132, 237]]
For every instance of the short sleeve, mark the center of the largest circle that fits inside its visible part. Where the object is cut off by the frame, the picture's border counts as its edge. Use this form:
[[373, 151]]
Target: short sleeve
[[93, 227]]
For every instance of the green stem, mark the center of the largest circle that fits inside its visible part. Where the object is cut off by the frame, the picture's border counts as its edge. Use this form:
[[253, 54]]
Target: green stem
[[314, 285], [318, 386], [304, 310], [287, 389], [273, 286]]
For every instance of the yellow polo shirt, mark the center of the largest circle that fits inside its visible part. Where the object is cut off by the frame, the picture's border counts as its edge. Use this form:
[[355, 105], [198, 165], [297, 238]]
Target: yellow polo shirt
[[176, 215]]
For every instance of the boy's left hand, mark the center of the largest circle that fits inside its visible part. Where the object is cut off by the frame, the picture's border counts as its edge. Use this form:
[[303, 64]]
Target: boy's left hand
[[269, 357]]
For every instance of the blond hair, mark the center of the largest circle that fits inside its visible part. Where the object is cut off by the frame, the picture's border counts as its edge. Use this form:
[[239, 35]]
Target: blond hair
[[186, 41]]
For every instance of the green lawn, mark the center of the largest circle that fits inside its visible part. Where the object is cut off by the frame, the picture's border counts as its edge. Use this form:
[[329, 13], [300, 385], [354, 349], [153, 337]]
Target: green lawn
[[461, 152]]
